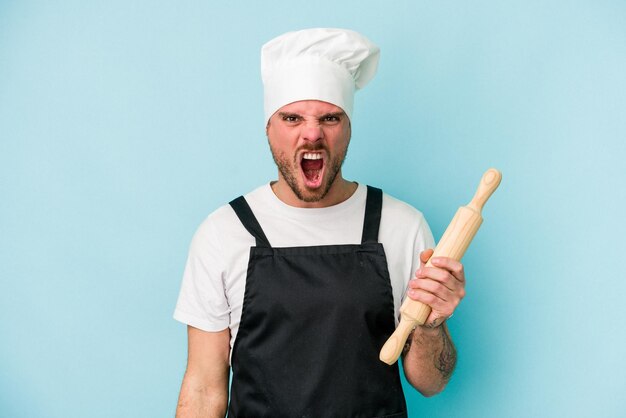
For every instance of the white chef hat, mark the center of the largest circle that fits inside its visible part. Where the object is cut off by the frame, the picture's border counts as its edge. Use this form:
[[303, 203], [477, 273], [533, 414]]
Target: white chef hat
[[316, 64]]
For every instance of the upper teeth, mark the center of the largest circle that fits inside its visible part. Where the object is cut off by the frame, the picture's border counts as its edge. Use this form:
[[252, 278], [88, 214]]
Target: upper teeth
[[312, 156]]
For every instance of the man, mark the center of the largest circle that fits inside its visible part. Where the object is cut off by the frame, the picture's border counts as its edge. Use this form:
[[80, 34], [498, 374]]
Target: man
[[297, 285]]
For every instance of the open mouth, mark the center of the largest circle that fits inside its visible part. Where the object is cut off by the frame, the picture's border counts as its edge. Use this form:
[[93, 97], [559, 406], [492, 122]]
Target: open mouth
[[312, 165]]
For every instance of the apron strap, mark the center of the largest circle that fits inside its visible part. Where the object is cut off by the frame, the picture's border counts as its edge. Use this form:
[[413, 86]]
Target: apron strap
[[247, 218], [373, 208]]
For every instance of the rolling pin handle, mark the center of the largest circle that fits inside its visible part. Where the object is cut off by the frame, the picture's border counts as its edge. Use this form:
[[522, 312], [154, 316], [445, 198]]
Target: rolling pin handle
[[488, 184]]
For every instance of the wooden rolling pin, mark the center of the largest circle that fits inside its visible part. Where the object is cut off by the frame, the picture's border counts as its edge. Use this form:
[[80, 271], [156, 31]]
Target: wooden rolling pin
[[453, 244]]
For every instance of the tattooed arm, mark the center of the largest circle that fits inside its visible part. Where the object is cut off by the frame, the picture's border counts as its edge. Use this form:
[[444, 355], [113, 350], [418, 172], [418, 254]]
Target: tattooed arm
[[429, 356]]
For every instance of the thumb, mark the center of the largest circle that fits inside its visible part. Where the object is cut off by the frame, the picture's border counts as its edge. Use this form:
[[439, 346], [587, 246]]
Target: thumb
[[425, 256]]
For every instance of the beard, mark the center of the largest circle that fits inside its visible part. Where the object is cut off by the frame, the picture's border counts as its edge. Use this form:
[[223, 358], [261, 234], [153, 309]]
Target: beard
[[290, 171]]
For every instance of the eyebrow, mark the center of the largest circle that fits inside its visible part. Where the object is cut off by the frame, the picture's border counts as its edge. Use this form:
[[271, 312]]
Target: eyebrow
[[283, 114], [331, 114]]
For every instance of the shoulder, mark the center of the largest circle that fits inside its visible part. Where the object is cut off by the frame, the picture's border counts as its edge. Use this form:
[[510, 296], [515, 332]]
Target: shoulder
[[222, 226], [403, 224], [224, 217], [219, 221], [397, 212]]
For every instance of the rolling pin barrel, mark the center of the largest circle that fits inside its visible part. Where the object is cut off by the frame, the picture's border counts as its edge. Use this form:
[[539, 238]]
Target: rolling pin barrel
[[453, 244]]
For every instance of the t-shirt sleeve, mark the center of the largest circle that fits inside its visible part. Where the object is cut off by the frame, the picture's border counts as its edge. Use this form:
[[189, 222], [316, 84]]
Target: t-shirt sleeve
[[423, 241], [202, 301]]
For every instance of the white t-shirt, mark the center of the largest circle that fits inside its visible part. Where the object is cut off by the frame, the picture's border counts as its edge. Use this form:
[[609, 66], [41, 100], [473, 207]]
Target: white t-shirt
[[211, 295]]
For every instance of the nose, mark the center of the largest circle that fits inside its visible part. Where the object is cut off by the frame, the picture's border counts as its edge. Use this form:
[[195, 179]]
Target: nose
[[312, 131]]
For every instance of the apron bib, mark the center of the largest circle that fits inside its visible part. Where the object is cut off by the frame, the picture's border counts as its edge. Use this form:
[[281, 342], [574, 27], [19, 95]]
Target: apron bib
[[313, 322]]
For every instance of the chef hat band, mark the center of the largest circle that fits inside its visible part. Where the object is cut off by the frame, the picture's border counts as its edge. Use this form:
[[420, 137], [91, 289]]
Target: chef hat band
[[316, 64]]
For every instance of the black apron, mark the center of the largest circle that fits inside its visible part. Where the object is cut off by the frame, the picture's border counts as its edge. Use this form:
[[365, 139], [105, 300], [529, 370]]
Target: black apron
[[313, 322]]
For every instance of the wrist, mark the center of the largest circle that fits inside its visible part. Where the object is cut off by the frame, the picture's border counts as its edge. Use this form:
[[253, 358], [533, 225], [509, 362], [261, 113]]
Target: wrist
[[434, 327], [437, 322]]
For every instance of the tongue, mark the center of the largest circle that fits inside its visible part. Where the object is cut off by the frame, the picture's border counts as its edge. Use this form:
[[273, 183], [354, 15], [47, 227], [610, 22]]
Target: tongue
[[312, 164], [312, 170]]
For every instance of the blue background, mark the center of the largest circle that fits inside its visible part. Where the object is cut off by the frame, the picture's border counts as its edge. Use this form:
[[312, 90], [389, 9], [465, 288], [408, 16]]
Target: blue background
[[124, 123]]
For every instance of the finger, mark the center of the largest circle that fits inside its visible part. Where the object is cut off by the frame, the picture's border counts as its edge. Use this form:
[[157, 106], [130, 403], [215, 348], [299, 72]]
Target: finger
[[439, 275], [452, 296], [431, 286], [427, 298], [439, 308], [453, 266], [441, 290], [425, 256]]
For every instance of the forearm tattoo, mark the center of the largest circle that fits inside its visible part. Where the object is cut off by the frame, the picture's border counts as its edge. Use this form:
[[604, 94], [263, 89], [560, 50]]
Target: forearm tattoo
[[446, 361], [407, 344]]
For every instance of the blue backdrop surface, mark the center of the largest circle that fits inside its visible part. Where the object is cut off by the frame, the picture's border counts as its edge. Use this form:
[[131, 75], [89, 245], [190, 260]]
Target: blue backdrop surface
[[124, 123]]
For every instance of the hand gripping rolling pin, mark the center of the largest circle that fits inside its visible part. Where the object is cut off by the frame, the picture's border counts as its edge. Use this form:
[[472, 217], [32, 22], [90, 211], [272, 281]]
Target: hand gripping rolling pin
[[453, 244]]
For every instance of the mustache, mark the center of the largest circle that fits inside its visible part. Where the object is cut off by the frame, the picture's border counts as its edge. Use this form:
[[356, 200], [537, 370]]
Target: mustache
[[312, 147]]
